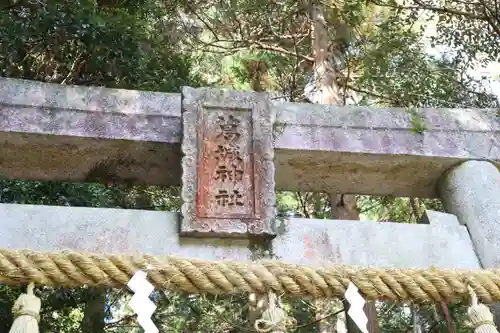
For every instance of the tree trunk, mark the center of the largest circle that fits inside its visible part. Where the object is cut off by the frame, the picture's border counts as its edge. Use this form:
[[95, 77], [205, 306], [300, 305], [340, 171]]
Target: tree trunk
[[417, 322], [326, 92], [329, 92], [344, 207], [93, 316]]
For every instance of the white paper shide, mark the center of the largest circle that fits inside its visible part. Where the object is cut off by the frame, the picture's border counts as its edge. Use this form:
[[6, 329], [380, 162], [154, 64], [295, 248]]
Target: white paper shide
[[140, 302], [356, 302]]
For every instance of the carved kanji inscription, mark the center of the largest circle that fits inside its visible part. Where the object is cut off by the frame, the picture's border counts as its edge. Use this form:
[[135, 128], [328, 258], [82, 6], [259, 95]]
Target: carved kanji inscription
[[228, 170], [225, 175]]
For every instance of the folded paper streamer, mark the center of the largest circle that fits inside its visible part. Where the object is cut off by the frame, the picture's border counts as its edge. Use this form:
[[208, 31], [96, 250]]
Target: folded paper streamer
[[356, 310], [140, 302]]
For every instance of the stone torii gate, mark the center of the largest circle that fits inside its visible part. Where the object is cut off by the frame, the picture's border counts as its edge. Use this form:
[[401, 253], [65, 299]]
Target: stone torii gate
[[230, 151]]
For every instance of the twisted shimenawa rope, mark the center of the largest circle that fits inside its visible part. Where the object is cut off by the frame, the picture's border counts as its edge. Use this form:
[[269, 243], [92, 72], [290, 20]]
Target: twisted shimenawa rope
[[71, 269]]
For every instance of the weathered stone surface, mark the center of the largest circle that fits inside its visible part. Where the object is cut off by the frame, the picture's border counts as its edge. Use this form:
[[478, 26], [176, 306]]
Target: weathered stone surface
[[376, 151], [377, 244], [445, 219], [471, 190], [306, 241], [227, 167], [55, 132], [71, 133]]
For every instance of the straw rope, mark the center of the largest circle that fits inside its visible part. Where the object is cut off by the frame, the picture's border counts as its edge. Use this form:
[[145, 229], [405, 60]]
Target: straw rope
[[70, 269]]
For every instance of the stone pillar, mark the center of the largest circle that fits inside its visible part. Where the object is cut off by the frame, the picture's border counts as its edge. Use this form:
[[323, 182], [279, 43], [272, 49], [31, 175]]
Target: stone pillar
[[471, 191]]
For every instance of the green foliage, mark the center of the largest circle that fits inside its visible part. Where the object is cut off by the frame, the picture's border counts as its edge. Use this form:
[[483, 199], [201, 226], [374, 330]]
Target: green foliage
[[398, 73], [396, 318], [416, 121], [86, 43], [145, 44], [471, 29]]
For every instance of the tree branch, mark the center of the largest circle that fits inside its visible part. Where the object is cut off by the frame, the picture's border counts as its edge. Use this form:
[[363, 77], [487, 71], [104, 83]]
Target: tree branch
[[422, 6], [374, 94], [124, 320], [261, 46]]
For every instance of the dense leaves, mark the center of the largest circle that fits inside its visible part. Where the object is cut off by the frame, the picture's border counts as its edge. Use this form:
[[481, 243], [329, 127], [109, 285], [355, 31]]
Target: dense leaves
[[92, 43], [376, 47]]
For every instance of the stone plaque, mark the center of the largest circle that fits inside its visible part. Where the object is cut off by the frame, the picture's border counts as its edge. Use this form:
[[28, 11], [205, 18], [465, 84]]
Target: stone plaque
[[227, 167]]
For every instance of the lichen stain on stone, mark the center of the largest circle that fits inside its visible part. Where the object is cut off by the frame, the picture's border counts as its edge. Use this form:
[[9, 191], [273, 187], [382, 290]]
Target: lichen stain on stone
[[111, 240], [121, 170], [51, 156], [326, 248], [260, 247], [72, 241], [322, 167], [318, 247], [280, 225]]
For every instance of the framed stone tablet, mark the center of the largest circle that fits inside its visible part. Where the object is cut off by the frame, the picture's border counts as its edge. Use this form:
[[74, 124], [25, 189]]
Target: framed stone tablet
[[227, 167]]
